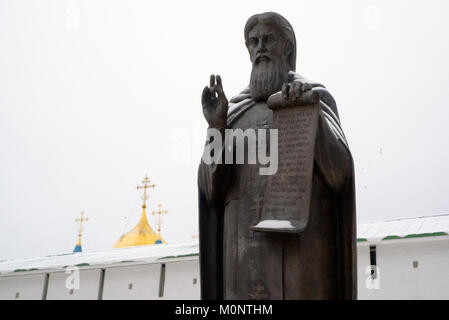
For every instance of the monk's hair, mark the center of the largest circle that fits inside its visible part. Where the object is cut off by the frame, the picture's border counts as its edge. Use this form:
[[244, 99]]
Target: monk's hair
[[281, 24]]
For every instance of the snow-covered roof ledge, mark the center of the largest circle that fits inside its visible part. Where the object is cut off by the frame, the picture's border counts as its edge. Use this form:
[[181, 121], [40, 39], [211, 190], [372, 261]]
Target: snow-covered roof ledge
[[159, 253], [427, 228]]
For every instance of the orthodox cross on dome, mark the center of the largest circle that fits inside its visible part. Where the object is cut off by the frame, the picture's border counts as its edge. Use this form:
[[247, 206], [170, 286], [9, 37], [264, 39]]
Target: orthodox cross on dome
[[80, 230], [81, 220], [159, 212], [145, 185]]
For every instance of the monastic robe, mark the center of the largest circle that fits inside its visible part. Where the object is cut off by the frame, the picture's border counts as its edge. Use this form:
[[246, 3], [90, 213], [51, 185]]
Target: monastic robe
[[317, 263]]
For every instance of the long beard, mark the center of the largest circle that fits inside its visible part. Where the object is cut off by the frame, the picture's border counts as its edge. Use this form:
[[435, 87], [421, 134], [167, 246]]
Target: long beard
[[267, 77]]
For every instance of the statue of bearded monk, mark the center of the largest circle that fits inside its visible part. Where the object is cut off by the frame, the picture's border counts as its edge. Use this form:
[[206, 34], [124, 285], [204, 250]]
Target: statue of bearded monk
[[319, 262]]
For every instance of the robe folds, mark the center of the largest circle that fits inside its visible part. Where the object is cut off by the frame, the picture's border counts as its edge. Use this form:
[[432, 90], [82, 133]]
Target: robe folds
[[320, 261]]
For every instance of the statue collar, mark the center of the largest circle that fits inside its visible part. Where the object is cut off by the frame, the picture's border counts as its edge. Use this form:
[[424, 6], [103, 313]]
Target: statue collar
[[239, 104]]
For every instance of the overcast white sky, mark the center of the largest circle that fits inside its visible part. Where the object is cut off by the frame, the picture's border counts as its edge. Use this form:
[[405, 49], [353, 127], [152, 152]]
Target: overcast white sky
[[96, 94]]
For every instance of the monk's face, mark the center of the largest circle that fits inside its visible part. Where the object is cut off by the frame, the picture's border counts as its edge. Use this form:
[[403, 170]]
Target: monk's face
[[270, 69], [264, 44]]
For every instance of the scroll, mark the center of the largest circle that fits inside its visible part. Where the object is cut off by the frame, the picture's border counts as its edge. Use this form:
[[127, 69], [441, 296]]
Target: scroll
[[287, 197]]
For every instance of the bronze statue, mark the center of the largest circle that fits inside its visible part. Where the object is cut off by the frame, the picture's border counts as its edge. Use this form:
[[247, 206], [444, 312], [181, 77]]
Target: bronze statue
[[316, 259]]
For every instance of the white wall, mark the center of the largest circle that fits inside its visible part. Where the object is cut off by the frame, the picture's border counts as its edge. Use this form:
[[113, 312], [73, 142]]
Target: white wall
[[87, 289], [120, 282], [398, 279], [132, 282], [363, 276], [182, 280], [26, 287]]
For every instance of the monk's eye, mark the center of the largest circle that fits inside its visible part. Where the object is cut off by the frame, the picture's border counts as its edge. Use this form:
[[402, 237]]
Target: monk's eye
[[269, 39], [253, 42]]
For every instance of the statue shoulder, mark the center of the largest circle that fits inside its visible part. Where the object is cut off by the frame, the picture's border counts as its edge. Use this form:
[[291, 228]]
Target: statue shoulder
[[325, 96], [238, 102], [244, 94]]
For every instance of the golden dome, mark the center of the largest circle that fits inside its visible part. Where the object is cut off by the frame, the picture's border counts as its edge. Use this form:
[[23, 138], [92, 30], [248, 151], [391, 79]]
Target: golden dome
[[159, 238], [140, 235]]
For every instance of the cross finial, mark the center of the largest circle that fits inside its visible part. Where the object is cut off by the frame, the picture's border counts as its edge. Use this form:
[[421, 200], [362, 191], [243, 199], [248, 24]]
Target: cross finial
[[145, 185], [159, 212], [81, 220]]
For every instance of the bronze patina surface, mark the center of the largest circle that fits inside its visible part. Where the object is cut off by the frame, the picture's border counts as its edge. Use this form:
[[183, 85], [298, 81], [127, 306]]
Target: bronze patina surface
[[313, 189], [288, 192]]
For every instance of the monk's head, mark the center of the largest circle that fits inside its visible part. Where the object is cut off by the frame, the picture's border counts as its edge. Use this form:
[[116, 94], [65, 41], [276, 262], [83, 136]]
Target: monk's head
[[271, 44]]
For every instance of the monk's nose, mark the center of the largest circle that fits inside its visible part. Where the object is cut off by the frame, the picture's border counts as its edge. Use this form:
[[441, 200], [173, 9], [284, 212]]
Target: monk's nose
[[261, 46]]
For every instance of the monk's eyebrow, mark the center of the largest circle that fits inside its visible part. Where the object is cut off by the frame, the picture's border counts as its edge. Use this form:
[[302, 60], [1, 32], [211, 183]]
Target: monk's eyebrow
[[258, 35], [262, 33], [270, 35]]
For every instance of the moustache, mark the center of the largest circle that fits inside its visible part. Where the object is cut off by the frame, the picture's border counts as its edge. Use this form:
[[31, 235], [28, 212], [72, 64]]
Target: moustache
[[261, 57]]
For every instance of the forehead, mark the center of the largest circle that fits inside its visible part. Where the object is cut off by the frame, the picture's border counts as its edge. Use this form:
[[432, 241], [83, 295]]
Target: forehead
[[262, 29]]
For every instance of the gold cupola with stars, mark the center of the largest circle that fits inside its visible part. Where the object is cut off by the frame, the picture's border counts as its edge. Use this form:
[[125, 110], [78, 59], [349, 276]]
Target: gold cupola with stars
[[142, 234]]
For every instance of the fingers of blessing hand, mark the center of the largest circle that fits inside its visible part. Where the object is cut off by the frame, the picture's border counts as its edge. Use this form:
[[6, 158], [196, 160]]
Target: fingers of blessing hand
[[205, 95], [208, 95], [219, 86], [215, 85]]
